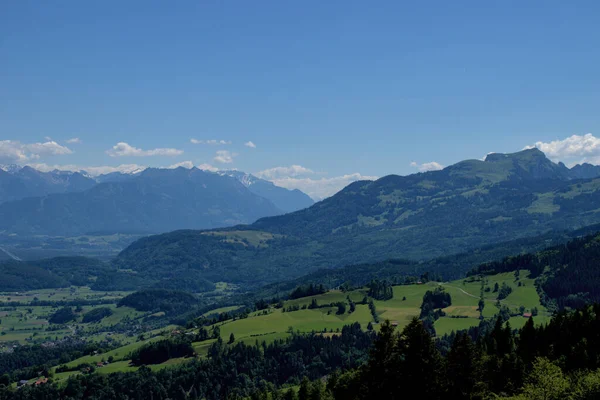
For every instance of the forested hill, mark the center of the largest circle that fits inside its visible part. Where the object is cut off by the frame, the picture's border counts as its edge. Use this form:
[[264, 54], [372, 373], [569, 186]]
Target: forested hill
[[568, 274], [423, 216]]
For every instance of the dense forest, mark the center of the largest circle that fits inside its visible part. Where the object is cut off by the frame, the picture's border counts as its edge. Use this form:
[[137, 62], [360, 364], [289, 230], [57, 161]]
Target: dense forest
[[161, 351], [399, 271], [27, 362], [84, 271], [97, 314], [380, 290], [156, 300]]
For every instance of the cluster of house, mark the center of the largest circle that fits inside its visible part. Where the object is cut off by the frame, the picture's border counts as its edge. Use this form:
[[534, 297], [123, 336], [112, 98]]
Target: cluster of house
[[40, 381], [101, 364]]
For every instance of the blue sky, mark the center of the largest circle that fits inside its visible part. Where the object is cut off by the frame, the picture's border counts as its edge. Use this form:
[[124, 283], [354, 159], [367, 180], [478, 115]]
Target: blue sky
[[338, 89]]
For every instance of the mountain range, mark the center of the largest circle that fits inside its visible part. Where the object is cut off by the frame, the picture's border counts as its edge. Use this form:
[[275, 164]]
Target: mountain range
[[17, 183], [152, 201], [284, 199], [419, 217]]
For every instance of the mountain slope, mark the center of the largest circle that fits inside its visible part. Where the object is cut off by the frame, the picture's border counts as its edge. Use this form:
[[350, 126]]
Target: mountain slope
[[157, 200], [17, 183], [285, 199], [468, 205]]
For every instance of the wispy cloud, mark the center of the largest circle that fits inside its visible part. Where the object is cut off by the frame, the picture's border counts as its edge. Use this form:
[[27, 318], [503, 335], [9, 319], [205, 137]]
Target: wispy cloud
[[207, 167], [211, 142], [575, 149], [224, 157], [13, 151], [184, 164], [429, 166], [304, 179], [74, 140], [250, 144], [123, 149], [284, 172]]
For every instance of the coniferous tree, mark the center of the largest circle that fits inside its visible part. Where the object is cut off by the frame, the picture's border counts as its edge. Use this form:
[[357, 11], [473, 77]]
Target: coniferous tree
[[421, 365], [463, 369]]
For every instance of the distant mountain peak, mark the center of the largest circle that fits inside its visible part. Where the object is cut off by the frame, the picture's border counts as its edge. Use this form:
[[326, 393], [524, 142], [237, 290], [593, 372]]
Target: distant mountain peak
[[10, 168], [531, 154], [285, 199]]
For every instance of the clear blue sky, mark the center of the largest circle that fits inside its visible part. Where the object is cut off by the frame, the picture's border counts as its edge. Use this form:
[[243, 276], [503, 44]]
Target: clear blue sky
[[335, 86]]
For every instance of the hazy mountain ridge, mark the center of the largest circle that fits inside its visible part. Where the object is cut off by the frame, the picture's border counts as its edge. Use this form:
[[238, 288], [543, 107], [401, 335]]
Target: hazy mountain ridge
[[18, 183], [70, 203], [157, 200], [422, 216], [285, 199]]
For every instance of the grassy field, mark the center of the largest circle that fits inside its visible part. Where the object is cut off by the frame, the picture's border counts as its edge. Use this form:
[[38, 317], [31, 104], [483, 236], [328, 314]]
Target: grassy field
[[404, 306], [61, 294], [220, 310], [27, 323]]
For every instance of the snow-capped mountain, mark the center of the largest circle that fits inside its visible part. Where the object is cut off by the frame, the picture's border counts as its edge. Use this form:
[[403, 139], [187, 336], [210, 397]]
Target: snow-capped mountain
[[285, 199]]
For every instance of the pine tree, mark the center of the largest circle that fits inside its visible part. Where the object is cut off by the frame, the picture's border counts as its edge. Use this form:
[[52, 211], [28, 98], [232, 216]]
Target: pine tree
[[381, 369], [304, 392], [421, 365], [463, 367], [527, 342]]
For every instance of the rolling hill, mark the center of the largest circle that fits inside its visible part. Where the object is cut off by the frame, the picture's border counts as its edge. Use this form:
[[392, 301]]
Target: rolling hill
[[418, 217]]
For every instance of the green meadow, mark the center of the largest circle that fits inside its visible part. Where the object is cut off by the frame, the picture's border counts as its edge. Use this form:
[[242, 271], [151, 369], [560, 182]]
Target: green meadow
[[405, 305], [30, 323]]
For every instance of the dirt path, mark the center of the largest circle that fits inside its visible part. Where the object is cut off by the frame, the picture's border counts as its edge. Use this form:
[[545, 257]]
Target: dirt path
[[477, 297]]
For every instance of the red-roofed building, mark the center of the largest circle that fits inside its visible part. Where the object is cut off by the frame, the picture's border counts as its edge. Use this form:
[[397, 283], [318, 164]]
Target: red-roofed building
[[41, 381]]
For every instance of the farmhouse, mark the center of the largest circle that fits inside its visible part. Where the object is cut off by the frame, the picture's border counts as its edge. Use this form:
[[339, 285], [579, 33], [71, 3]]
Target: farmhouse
[[527, 315], [41, 381]]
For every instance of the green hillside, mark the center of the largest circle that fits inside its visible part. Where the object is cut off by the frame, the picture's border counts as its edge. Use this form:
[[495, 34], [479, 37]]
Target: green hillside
[[418, 217]]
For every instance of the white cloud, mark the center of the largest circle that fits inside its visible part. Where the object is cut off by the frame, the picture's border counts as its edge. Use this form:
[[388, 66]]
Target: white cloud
[[302, 178], [210, 142], [184, 164], [575, 149], [321, 188], [207, 167], [74, 140], [224, 157], [430, 166], [13, 151], [123, 149], [250, 144], [284, 172]]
